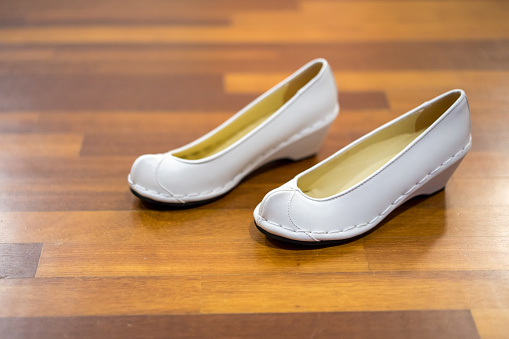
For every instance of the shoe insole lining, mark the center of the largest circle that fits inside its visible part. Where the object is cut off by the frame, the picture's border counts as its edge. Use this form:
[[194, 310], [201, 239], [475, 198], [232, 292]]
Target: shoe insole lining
[[362, 160], [250, 119]]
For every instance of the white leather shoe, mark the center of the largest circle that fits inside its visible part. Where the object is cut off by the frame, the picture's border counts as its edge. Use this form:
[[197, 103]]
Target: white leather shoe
[[289, 121], [353, 190]]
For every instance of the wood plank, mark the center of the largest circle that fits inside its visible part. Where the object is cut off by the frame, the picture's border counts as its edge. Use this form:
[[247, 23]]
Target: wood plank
[[85, 88], [86, 194], [463, 192], [196, 257], [45, 145], [49, 168], [116, 92], [484, 164], [130, 227], [147, 226], [46, 194], [491, 323], [92, 296], [23, 13], [374, 100], [185, 58], [19, 260], [139, 92], [401, 80], [376, 20], [196, 123], [438, 254], [494, 142], [414, 221], [399, 324], [380, 291], [18, 123], [332, 22]]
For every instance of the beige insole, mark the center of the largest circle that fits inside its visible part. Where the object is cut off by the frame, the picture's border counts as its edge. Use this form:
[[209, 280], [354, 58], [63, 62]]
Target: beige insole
[[353, 166], [358, 166], [250, 119]]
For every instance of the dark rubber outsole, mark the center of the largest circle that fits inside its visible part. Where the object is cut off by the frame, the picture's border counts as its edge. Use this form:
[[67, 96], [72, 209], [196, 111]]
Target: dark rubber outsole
[[324, 243], [306, 243], [168, 205]]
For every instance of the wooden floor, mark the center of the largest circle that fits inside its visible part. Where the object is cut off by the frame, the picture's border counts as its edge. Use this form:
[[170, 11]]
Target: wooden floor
[[87, 86]]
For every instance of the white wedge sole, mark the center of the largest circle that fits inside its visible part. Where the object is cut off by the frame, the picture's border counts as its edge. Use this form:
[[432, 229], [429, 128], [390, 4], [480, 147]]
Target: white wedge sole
[[352, 191], [289, 121]]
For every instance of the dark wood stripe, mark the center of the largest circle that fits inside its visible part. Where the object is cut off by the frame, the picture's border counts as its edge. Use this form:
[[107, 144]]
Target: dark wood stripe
[[116, 92], [138, 92], [65, 169], [400, 55], [18, 123], [19, 260], [89, 194], [73, 199], [363, 100], [54, 13], [105, 22], [396, 324]]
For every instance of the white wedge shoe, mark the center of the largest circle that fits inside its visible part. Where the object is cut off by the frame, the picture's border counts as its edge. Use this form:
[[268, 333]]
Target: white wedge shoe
[[352, 191], [289, 121]]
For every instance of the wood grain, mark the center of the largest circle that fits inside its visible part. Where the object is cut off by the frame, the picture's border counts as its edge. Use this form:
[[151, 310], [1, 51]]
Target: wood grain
[[86, 87], [118, 92], [19, 260], [414, 56], [374, 291], [146, 226], [94, 296], [437, 254], [48, 145], [17, 123], [168, 257], [422, 324], [491, 323], [22, 13], [330, 20]]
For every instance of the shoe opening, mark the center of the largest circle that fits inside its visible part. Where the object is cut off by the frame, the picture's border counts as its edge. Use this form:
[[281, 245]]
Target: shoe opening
[[359, 162], [250, 119]]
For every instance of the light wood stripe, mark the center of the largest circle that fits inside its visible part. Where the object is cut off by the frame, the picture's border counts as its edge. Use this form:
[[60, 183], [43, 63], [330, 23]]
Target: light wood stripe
[[209, 257], [355, 292], [92, 296]]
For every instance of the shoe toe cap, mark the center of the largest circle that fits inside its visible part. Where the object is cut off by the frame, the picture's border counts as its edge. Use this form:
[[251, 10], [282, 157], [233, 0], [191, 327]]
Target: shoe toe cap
[[143, 174], [273, 214]]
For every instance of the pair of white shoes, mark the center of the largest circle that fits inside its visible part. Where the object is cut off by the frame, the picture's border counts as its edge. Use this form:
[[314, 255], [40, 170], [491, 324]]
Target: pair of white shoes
[[341, 197]]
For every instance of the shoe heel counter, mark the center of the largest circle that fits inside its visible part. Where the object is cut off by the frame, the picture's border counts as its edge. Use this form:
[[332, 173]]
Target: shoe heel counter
[[304, 147], [437, 182], [463, 122], [331, 89], [320, 98]]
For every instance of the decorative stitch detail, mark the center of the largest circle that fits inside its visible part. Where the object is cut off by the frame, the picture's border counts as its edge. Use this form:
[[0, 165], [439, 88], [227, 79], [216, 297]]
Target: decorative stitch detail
[[413, 188], [248, 169]]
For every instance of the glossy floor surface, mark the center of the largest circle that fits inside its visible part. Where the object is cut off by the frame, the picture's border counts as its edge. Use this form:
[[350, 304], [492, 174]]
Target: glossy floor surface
[[86, 87]]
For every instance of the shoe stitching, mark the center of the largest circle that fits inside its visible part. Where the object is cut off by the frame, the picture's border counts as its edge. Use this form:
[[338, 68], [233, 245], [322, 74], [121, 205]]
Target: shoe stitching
[[239, 176], [292, 101], [161, 185], [396, 202], [290, 217], [448, 115]]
